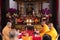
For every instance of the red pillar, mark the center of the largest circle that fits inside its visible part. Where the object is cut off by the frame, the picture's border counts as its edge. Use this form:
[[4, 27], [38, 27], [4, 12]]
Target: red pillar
[[57, 10], [0, 11]]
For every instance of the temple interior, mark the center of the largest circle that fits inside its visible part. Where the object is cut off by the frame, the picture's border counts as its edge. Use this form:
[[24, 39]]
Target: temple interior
[[33, 19]]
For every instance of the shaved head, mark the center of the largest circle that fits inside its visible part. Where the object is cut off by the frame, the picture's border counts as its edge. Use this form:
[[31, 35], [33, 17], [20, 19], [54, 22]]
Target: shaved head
[[9, 24]]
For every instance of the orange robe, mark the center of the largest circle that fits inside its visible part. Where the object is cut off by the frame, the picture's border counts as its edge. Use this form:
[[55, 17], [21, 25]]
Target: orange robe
[[27, 37], [44, 30], [53, 33], [5, 33]]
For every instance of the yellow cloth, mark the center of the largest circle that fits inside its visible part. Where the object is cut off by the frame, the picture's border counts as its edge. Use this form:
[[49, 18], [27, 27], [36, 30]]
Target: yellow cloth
[[27, 37], [5, 33], [53, 33], [44, 30]]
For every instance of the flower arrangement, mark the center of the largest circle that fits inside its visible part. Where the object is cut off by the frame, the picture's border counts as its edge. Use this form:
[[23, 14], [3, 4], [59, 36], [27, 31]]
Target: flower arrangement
[[12, 10], [46, 11]]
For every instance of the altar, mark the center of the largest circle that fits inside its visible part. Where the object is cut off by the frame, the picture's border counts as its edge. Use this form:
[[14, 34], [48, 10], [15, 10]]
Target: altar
[[23, 27], [30, 13]]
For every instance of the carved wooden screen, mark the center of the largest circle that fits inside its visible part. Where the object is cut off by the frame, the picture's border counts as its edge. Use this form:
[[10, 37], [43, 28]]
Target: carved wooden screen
[[24, 5]]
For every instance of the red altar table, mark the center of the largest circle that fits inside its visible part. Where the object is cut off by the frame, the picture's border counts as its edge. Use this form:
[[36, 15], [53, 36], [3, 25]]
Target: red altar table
[[36, 38]]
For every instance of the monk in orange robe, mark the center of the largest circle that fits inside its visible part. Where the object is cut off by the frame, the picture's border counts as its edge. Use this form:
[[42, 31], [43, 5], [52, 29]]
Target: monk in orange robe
[[44, 30], [53, 33], [6, 31], [45, 27]]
